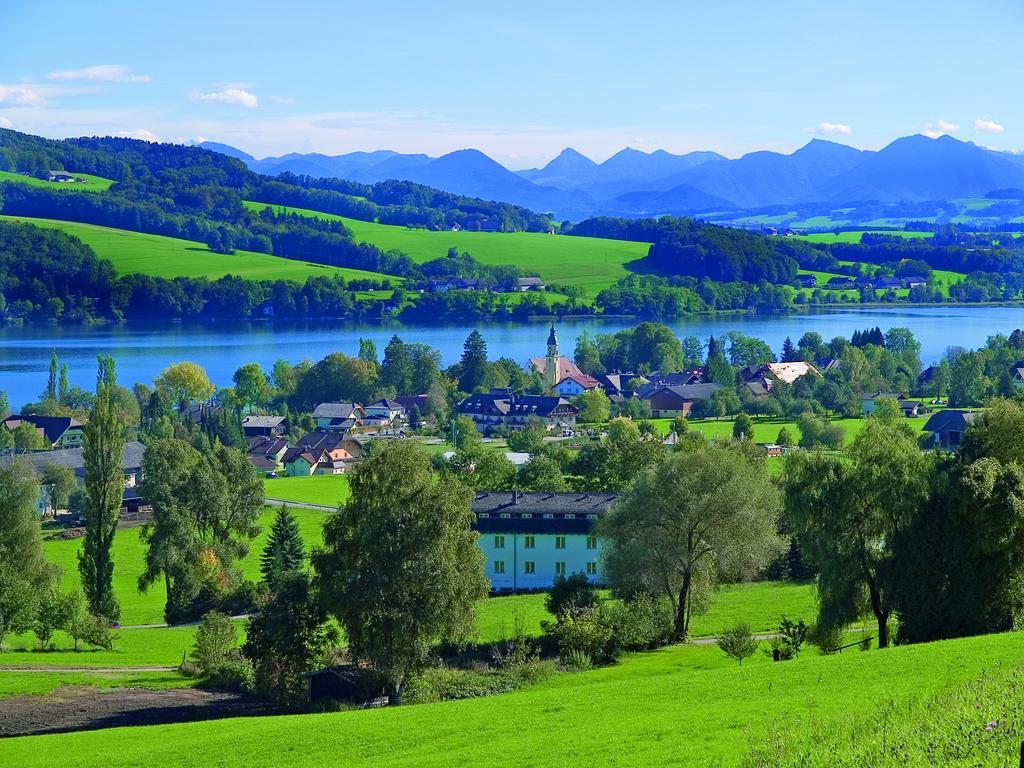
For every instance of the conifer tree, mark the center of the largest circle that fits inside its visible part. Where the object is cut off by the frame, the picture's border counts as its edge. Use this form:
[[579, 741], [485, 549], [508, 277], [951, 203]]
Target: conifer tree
[[284, 552]]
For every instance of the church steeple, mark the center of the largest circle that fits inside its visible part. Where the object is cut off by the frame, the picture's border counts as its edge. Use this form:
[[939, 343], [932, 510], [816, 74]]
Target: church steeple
[[551, 362]]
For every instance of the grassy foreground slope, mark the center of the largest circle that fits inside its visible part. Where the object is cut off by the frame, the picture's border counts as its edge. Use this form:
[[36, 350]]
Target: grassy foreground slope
[[680, 706], [171, 257], [590, 262]]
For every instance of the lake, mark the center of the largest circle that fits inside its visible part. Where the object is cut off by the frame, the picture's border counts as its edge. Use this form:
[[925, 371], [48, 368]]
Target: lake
[[142, 350]]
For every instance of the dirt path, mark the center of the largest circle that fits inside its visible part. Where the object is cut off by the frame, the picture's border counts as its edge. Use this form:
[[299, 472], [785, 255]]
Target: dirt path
[[80, 708]]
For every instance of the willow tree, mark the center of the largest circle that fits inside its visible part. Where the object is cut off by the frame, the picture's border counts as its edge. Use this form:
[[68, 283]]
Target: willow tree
[[852, 514], [686, 521], [103, 450], [401, 568]]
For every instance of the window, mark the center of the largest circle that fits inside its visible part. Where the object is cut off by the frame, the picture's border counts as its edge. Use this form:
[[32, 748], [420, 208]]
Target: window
[[548, 515], [484, 514], [560, 568], [529, 567], [499, 566], [570, 516], [591, 569], [559, 542], [526, 515], [499, 542], [591, 542], [529, 542], [505, 515]]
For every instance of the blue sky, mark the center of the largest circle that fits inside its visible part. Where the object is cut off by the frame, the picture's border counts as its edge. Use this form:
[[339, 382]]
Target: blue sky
[[518, 80]]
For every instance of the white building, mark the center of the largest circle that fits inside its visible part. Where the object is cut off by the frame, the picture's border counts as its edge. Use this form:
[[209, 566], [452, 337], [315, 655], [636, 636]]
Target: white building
[[530, 538]]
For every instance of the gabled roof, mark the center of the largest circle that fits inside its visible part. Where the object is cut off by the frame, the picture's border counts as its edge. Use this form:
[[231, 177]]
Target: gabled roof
[[585, 381], [504, 404], [336, 410], [74, 458], [392, 405], [53, 427], [687, 392], [263, 422], [790, 372], [314, 442], [952, 421], [566, 367]]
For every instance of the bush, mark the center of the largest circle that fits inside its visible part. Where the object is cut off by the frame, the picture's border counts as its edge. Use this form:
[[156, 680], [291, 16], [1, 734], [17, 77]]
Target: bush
[[828, 641], [232, 673], [791, 637], [642, 622], [577, 661], [587, 632], [91, 630], [571, 593], [445, 684], [216, 637], [738, 642]]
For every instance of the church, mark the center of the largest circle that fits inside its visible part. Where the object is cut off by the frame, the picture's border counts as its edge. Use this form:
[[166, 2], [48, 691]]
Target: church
[[554, 367]]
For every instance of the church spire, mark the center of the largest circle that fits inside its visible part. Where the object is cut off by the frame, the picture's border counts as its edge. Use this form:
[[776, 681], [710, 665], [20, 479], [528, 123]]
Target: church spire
[[552, 361]]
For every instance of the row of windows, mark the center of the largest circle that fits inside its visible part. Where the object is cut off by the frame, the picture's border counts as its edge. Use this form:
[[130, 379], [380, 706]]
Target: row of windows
[[529, 515], [530, 567], [530, 542]]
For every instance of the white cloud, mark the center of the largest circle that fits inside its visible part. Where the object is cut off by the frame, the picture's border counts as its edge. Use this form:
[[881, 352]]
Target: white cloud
[[831, 128], [238, 97], [988, 126], [138, 133], [939, 128], [102, 73], [5, 123], [282, 100], [21, 95]]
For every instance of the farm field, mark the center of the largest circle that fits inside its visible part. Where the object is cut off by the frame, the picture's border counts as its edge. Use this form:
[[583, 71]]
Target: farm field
[[169, 257], [679, 706], [592, 263], [853, 236], [91, 183]]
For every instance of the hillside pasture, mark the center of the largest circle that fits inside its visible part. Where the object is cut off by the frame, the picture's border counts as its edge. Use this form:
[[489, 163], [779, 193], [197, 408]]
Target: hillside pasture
[[89, 182], [170, 257], [854, 235], [592, 263]]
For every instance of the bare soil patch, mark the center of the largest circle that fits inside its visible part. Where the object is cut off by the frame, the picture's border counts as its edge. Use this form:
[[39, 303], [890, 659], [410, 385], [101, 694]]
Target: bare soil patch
[[84, 707]]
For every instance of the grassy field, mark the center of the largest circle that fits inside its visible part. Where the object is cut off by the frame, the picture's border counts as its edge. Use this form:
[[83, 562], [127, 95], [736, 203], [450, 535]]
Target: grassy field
[[680, 706], [853, 236], [592, 263], [171, 257], [767, 430], [323, 490], [41, 683], [90, 184]]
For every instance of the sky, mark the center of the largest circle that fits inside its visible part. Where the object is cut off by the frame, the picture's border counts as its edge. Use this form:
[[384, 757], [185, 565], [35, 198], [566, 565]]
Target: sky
[[519, 81]]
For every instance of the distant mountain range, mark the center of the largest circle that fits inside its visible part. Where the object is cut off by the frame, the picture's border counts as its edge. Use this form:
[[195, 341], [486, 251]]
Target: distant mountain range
[[636, 183]]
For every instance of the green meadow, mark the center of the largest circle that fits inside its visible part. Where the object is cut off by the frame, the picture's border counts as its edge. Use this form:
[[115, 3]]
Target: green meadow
[[679, 706], [41, 683], [853, 236], [322, 490], [767, 430], [90, 183], [593, 263], [170, 257]]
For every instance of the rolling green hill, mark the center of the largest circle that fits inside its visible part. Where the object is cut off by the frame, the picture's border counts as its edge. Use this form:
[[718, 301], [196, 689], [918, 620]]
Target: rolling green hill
[[170, 257], [679, 706], [592, 263], [90, 184]]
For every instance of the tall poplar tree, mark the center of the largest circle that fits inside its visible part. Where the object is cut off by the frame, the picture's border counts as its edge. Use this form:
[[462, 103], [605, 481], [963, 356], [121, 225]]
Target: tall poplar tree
[[474, 362], [104, 489]]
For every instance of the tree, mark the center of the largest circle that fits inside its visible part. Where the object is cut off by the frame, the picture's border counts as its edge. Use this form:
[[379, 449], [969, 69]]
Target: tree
[[817, 432], [542, 473], [288, 636], [18, 600], [401, 568], [887, 410], [529, 439], [27, 438], [368, 352], [696, 515], [467, 438], [595, 407], [106, 372], [396, 370], [55, 611], [185, 383], [103, 451], [59, 481], [614, 462], [743, 427], [492, 472], [473, 366], [790, 354], [967, 383], [50, 393], [587, 355], [251, 386], [785, 438], [738, 642], [206, 508], [850, 514], [63, 387], [284, 553], [215, 638]]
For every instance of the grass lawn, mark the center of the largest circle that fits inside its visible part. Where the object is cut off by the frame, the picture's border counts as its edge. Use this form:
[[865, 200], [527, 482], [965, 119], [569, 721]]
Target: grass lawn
[[324, 490], [679, 706], [171, 257], [767, 430], [593, 263], [90, 184], [41, 683], [157, 647]]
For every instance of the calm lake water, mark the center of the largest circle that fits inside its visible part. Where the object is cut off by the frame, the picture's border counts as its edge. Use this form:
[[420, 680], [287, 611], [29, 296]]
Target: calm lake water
[[142, 350]]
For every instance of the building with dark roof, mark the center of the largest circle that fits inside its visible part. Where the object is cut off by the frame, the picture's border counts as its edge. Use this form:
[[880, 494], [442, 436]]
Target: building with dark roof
[[264, 426], [339, 417], [502, 408], [948, 427], [530, 538], [323, 452], [55, 431], [667, 402]]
